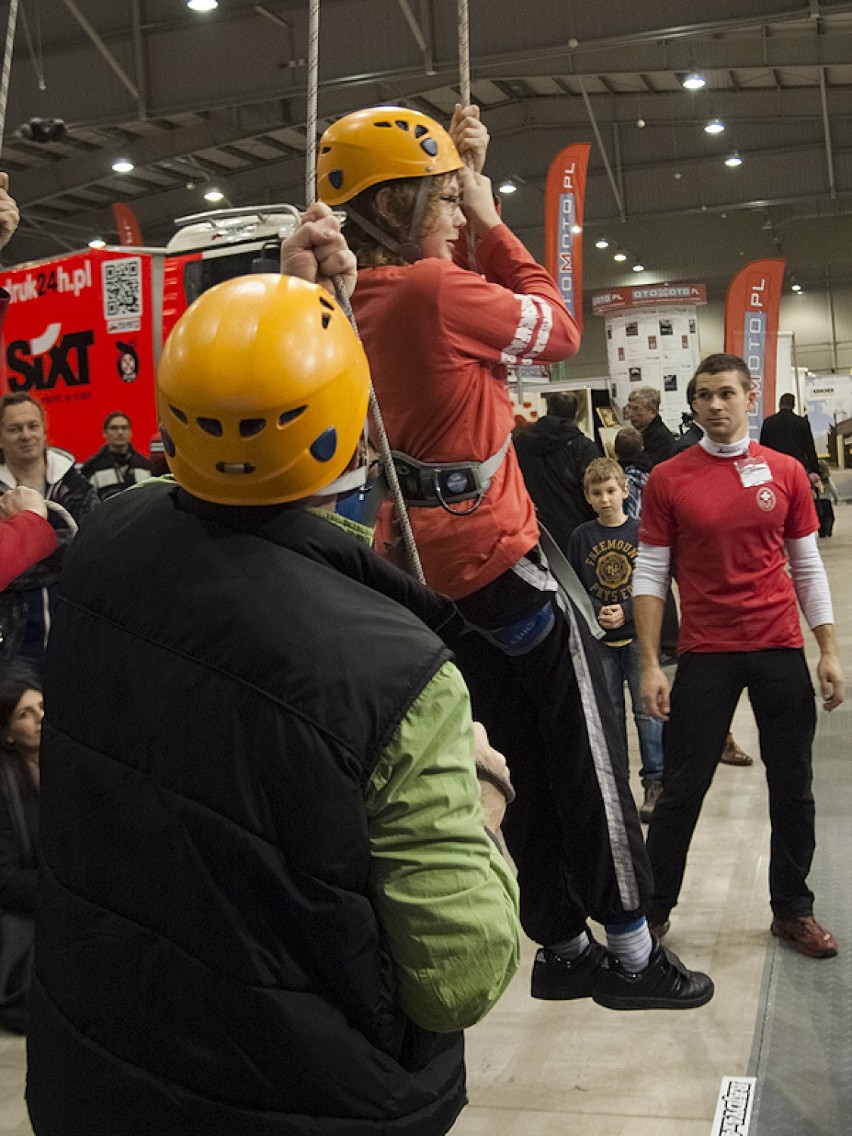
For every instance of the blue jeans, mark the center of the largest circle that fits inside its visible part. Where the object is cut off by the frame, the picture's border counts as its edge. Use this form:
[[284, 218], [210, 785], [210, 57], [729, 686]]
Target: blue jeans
[[620, 665]]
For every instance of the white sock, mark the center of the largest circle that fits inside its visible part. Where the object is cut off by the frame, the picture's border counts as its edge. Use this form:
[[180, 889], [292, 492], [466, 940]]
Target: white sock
[[631, 943], [571, 949]]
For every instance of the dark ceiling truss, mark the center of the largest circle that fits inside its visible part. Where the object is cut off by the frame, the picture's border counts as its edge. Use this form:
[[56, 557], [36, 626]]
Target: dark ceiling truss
[[222, 100]]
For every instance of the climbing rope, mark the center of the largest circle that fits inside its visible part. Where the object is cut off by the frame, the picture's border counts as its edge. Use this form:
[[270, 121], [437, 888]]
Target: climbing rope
[[7, 66], [412, 556], [464, 53], [464, 96]]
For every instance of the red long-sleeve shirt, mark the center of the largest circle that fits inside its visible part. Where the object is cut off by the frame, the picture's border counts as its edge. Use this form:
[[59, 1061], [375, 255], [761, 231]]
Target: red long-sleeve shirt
[[438, 338], [25, 539]]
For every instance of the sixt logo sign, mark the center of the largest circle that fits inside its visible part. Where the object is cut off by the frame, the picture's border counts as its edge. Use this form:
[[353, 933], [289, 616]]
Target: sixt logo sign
[[41, 363]]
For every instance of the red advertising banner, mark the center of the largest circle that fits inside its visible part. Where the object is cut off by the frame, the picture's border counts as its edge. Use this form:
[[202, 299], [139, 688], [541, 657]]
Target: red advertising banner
[[648, 296], [564, 199], [79, 337], [751, 329], [127, 224]]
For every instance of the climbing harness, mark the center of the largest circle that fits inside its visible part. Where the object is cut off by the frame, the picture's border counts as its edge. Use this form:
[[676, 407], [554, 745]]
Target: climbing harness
[[443, 484]]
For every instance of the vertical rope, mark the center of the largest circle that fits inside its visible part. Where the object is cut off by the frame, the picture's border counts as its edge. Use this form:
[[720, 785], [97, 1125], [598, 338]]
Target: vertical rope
[[7, 67], [415, 567], [313, 95], [464, 53], [464, 96], [412, 556]]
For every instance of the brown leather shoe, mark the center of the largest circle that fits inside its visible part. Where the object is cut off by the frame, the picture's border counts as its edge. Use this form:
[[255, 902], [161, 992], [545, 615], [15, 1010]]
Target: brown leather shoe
[[733, 755], [806, 936]]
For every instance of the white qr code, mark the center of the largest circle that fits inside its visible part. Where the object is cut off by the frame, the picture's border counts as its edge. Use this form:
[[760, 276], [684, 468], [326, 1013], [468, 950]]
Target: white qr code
[[122, 280]]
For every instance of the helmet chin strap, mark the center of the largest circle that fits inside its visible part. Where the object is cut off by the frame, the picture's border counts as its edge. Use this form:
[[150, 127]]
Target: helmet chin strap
[[409, 249]]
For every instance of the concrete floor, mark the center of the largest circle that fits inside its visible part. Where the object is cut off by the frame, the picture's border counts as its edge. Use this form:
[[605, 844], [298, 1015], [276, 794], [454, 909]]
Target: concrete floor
[[548, 1069]]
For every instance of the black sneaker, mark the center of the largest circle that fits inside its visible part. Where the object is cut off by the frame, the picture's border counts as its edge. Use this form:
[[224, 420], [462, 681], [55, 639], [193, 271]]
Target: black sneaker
[[556, 978], [664, 984]]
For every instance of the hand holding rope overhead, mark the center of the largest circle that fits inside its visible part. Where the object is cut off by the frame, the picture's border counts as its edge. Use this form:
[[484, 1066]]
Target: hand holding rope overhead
[[470, 135], [318, 251], [471, 139]]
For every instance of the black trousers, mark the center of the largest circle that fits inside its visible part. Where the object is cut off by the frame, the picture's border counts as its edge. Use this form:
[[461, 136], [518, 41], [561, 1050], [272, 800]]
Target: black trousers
[[573, 830], [704, 696]]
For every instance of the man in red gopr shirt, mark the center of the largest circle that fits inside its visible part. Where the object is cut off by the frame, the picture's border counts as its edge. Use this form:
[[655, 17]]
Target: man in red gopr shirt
[[726, 517]]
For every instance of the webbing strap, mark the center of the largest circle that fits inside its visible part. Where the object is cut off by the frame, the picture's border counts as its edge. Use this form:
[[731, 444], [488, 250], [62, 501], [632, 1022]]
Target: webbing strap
[[569, 582]]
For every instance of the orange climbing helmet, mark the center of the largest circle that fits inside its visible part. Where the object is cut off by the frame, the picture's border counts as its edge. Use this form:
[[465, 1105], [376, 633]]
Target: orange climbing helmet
[[262, 388], [381, 144]]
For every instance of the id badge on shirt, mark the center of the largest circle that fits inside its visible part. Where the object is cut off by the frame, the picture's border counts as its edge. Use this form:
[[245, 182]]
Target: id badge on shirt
[[753, 471]]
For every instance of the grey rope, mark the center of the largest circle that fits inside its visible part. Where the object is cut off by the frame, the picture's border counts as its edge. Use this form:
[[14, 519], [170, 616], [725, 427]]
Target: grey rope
[[464, 96], [464, 53], [63, 513], [7, 66], [415, 567], [313, 95]]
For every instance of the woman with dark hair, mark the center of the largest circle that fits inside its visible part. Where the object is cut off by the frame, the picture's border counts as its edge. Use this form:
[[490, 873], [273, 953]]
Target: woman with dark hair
[[21, 714]]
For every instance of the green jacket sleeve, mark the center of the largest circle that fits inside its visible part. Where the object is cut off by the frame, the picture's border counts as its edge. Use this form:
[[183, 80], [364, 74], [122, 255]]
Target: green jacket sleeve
[[445, 898]]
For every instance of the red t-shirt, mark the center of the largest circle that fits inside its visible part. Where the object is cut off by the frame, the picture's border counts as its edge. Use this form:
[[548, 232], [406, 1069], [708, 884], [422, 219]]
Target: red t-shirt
[[438, 337], [727, 546]]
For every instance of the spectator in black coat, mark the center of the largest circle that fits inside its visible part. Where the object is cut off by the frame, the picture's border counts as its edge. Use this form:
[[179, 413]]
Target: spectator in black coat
[[553, 454], [791, 434]]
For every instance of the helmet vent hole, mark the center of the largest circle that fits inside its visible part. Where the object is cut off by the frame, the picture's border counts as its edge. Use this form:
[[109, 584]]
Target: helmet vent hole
[[429, 146], [290, 415], [326, 320], [168, 444], [210, 426], [336, 178], [383, 125], [179, 414], [325, 446], [402, 124], [325, 150], [420, 130], [251, 426]]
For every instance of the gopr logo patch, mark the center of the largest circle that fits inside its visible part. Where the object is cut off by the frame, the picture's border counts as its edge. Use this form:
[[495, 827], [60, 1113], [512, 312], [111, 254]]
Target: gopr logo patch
[[766, 498]]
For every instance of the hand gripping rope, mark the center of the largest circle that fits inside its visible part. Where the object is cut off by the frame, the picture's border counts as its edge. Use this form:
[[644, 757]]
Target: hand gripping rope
[[412, 555]]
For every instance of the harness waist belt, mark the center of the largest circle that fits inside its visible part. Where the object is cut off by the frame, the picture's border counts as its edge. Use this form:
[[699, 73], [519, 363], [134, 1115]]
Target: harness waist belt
[[432, 484]]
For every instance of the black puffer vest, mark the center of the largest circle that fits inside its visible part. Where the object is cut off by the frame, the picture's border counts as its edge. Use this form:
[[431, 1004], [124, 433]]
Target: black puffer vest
[[208, 961]]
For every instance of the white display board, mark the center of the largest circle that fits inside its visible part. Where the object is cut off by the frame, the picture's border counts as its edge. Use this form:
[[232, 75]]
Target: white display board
[[653, 347]]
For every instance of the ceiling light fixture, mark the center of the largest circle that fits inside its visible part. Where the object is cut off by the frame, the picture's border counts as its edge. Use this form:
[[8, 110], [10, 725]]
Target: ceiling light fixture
[[733, 160], [507, 187], [601, 243], [796, 288], [693, 81], [202, 5], [97, 243], [122, 165], [619, 256], [639, 267], [214, 196], [576, 230], [714, 126]]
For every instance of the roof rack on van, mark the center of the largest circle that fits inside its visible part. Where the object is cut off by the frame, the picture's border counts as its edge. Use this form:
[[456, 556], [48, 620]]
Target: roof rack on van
[[262, 212], [224, 227]]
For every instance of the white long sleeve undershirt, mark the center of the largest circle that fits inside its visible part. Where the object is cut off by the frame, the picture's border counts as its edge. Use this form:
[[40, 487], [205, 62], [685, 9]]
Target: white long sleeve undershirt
[[653, 571]]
